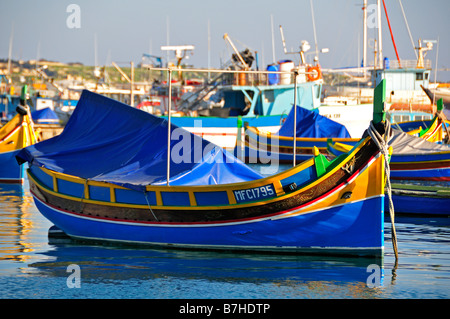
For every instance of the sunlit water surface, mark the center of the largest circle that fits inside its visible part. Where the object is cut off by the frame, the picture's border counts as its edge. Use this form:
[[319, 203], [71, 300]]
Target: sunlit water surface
[[31, 267]]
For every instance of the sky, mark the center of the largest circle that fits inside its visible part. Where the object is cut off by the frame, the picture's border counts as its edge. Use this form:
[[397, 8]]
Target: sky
[[122, 31]]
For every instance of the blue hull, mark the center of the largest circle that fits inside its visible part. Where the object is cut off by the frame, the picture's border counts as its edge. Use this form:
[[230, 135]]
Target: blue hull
[[10, 171], [337, 230], [421, 205], [432, 174]]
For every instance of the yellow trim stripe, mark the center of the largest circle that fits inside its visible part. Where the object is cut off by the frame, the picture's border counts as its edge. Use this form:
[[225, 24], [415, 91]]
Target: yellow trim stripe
[[371, 175], [229, 188]]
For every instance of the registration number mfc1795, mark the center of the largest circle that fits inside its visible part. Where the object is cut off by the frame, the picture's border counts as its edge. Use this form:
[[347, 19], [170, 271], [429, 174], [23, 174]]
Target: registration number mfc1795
[[252, 194]]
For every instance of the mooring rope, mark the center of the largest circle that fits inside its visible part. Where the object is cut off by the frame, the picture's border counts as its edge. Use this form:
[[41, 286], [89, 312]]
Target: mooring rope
[[382, 144], [151, 210]]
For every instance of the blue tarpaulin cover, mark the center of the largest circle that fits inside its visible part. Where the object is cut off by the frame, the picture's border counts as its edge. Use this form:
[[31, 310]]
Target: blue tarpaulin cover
[[105, 140], [45, 116], [311, 124]]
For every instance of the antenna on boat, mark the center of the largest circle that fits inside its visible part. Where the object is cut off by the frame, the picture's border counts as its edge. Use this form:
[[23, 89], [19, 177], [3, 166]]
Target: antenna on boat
[[303, 47], [423, 52], [181, 52]]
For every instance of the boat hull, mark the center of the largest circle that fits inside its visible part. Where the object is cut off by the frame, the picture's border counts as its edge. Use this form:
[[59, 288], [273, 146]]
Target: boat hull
[[335, 230], [336, 211], [10, 171], [421, 200], [421, 167]]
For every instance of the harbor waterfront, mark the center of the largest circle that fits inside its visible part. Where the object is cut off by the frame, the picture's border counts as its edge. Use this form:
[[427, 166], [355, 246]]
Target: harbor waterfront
[[198, 172], [31, 267]]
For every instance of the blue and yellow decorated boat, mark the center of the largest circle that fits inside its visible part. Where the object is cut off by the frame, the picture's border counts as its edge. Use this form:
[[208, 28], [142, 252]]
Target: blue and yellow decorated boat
[[419, 154], [421, 199], [111, 177], [435, 130], [314, 131], [15, 135], [413, 158]]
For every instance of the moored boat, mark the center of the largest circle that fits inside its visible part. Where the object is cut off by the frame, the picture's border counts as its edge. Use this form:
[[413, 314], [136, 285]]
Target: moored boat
[[312, 132], [15, 135], [435, 130], [315, 133], [110, 176], [413, 158], [421, 199]]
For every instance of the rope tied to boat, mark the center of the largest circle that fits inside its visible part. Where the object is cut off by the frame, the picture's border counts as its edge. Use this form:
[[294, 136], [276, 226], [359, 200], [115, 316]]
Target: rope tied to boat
[[151, 210], [382, 142]]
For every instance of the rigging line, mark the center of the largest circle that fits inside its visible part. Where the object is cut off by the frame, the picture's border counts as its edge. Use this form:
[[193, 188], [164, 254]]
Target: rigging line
[[151, 210], [392, 35], [407, 27]]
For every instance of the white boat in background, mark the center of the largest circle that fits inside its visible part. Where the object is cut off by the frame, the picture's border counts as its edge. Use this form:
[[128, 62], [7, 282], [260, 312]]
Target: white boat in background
[[244, 94]]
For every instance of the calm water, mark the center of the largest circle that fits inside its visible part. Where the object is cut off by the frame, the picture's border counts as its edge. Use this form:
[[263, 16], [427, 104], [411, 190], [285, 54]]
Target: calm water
[[31, 267]]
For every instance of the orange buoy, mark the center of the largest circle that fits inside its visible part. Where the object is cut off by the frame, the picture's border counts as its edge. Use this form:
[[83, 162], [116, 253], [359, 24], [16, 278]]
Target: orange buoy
[[314, 73]]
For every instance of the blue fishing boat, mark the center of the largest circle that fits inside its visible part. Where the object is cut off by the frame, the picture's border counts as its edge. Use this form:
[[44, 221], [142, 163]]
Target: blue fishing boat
[[421, 199], [45, 116], [417, 155], [112, 176], [15, 135], [312, 132], [435, 130], [316, 133], [416, 159], [413, 158], [414, 164], [415, 126]]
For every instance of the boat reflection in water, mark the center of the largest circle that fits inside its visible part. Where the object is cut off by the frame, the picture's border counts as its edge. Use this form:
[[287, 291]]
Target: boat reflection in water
[[17, 225], [171, 272]]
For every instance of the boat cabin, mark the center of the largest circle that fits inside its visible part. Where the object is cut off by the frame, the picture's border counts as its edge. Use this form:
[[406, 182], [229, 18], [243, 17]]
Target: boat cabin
[[405, 79]]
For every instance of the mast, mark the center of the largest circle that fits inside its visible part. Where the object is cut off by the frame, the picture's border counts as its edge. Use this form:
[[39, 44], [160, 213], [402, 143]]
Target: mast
[[380, 43], [209, 49], [364, 34], [273, 39], [314, 29], [10, 50]]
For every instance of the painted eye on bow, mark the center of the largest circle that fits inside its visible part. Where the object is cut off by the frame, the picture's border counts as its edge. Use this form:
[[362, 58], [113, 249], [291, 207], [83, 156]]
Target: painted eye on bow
[[346, 195]]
